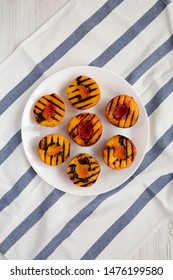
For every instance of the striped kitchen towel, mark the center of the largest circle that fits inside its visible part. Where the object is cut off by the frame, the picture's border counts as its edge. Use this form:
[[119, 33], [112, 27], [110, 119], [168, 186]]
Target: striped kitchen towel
[[135, 40]]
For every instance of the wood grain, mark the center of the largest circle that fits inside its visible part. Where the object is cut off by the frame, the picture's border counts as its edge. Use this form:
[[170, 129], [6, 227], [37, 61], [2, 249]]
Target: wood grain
[[18, 20]]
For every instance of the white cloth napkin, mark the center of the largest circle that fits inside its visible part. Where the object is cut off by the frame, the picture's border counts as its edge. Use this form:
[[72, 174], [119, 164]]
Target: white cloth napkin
[[135, 40]]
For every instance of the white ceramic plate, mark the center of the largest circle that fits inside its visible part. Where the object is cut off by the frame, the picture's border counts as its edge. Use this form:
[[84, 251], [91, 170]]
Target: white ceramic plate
[[110, 85]]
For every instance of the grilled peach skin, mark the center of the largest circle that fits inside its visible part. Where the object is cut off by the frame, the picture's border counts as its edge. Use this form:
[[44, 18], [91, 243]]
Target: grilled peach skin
[[83, 93], [122, 111], [49, 110], [83, 170], [85, 129], [119, 152], [54, 149]]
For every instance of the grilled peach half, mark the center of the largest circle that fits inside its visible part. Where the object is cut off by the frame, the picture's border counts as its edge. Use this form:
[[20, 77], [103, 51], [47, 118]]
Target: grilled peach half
[[49, 110], [54, 149], [122, 111], [85, 129], [83, 170], [83, 93], [119, 152]]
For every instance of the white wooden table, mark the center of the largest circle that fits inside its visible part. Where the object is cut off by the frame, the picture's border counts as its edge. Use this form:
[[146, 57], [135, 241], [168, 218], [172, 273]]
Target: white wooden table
[[18, 20]]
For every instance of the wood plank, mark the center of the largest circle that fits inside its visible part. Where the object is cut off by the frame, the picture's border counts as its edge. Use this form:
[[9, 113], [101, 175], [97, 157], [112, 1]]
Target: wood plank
[[19, 19]]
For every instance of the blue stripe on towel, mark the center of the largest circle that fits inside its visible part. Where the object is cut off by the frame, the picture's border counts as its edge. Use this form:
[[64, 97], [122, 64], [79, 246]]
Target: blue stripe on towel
[[31, 220], [127, 217], [18, 187], [129, 35], [166, 1], [161, 95], [58, 53], [158, 54], [9, 148]]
